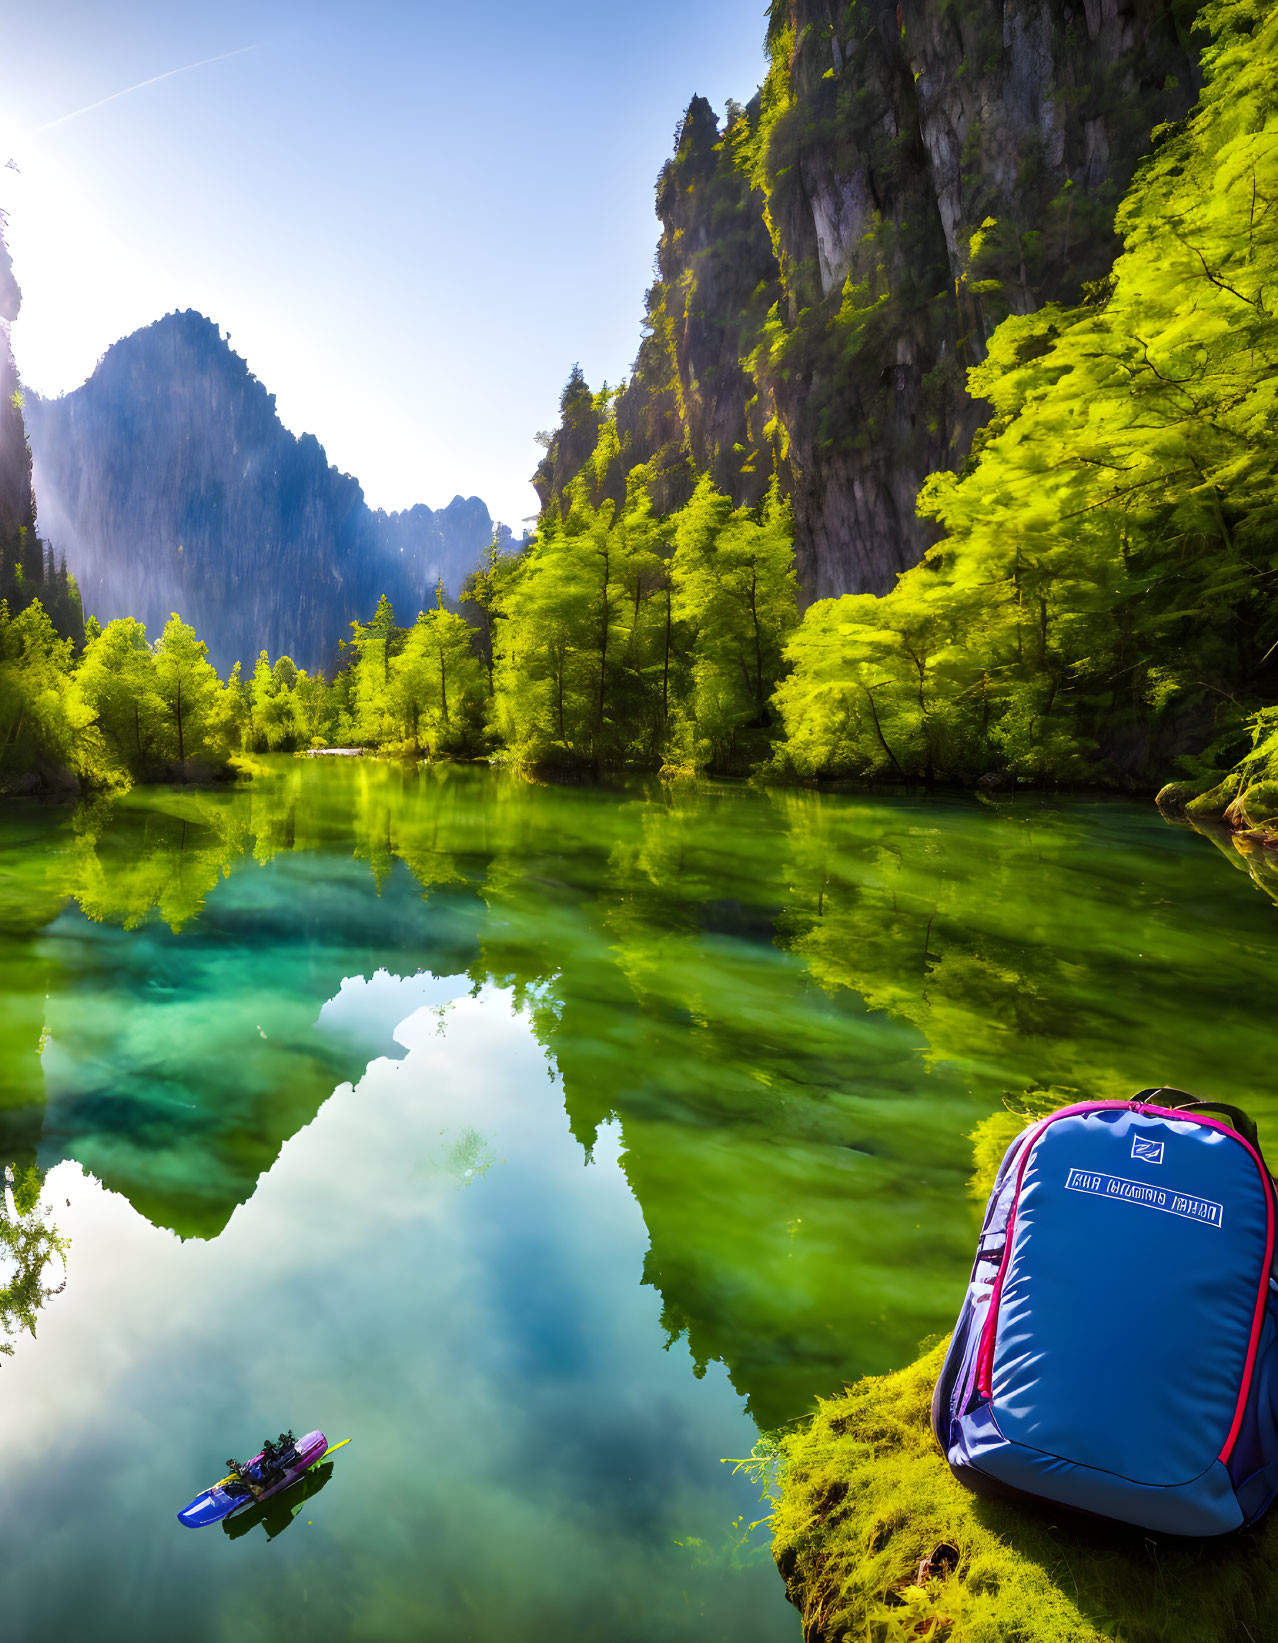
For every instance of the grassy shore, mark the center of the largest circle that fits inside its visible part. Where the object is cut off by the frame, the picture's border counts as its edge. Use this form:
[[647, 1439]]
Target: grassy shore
[[866, 1503]]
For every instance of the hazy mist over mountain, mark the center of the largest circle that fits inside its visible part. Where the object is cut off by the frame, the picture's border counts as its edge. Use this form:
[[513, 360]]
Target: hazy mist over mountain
[[170, 484]]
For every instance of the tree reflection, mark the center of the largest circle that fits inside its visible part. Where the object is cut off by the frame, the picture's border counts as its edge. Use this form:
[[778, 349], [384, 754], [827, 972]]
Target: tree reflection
[[30, 1244], [1036, 947], [797, 1006], [1243, 851]]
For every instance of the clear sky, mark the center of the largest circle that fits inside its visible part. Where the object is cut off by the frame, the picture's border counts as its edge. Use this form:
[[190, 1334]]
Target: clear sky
[[411, 217]]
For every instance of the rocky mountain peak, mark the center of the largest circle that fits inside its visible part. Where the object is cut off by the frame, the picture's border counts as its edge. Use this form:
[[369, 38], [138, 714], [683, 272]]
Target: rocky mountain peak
[[170, 483]]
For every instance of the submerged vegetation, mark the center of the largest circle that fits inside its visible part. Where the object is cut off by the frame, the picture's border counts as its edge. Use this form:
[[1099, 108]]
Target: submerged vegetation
[[788, 1002]]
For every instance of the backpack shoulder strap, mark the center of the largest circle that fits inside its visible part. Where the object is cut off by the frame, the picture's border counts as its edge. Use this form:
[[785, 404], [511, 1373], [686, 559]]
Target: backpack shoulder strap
[[1245, 1126]]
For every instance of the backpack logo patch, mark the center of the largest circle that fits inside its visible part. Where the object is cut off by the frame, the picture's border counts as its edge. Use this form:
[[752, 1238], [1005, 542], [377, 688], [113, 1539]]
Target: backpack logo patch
[[1204, 1210], [1149, 1152]]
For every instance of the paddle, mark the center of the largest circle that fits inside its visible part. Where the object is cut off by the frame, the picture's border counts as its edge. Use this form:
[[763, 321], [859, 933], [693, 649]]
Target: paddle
[[327, 1453]]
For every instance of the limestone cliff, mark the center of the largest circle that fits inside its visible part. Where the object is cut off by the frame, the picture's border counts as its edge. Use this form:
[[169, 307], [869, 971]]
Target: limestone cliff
[[17, 509], [28, 570], [171, 484], [834, 255]]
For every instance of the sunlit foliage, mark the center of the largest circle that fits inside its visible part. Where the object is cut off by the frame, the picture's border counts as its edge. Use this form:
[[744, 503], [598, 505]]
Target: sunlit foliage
[[1101, 602], [1104, 591], [627, 638], [44, 721]]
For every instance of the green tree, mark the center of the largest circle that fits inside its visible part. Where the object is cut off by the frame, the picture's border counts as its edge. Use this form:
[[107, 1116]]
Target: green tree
[[483, 589], [1104, 586], [628, 638], [45, 724], [314, 709], [538, 679], [117, 680], [374, 643], [233, 713], [284, 712], [581, 629], [188, 688], [734, 585], [438, 684]]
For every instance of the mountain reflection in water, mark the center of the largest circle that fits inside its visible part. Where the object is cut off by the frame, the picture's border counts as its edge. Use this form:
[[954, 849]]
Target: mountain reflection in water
[[797, 1005], [342, 1039]]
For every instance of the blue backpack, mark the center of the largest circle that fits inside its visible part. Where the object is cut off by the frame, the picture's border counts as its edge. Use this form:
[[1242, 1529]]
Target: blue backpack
[[1117, 1351]]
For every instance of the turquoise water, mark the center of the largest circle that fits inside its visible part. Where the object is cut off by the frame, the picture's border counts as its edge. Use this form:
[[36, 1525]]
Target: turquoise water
[[548, 1143]]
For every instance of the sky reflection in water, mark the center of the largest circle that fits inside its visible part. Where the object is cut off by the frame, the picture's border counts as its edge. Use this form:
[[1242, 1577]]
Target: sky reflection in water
[[429, 1267], [768, 1021]]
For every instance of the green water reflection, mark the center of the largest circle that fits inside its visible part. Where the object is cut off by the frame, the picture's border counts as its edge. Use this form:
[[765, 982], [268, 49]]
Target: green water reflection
[[774, 1018]]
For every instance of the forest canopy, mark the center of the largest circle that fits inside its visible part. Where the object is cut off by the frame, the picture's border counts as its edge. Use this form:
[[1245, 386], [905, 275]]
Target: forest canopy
[[1100, 608], [616, 639], [1103, 598]]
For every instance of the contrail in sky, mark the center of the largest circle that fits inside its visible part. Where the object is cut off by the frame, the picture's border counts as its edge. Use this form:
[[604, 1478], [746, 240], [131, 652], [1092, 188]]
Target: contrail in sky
[[154, 80]]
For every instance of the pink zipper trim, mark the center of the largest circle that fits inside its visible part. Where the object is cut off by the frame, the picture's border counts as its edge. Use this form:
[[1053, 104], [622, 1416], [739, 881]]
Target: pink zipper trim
[[985, 1353], [1258, 1316]]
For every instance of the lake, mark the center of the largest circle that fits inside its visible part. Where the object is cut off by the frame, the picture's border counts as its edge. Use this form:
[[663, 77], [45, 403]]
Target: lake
[[550, 1143]]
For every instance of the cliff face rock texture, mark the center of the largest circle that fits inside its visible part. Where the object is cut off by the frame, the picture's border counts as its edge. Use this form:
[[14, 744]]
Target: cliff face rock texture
[[834, 256], [904, 131], [17, 509], [28, 570], [170, 484]]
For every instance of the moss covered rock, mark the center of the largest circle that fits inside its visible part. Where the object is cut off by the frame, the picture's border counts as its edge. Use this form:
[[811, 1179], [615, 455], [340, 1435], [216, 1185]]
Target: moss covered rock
[[1176, 795], [1211, 805], [1255, 806]]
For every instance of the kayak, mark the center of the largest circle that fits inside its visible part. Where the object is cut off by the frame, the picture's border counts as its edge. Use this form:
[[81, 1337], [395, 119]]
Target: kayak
[[228, 1496]]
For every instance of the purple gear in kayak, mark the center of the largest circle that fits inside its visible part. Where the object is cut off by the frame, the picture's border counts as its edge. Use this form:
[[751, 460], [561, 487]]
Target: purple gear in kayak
[[232, 1495]]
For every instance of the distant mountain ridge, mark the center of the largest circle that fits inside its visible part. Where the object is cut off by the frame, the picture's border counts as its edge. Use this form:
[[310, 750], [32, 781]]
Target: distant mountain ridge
[[28, 571], [170, 483], [17, 507]]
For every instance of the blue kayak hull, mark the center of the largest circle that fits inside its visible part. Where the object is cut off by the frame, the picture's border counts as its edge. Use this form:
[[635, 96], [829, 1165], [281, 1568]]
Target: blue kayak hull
[[218, 1503]]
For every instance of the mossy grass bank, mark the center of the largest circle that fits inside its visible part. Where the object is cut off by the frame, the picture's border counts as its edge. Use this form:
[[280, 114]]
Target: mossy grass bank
[[877, 1542]]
